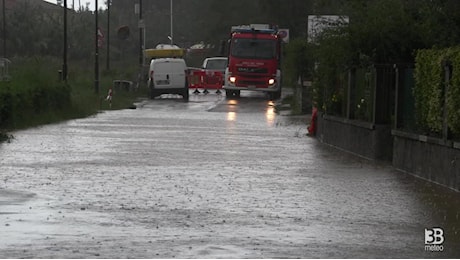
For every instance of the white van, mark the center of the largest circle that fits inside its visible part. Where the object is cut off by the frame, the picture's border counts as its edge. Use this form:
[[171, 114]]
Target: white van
[[168, 76]]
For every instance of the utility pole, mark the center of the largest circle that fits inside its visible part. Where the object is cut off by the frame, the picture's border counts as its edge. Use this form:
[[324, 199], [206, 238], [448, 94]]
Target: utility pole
[[141, 26], [141, 34], [107, 65], [4, 29], [172, 30], [96, 62], [64, 66]]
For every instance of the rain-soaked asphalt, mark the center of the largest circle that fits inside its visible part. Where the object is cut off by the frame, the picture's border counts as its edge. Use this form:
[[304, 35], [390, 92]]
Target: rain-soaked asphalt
[[212, 178]]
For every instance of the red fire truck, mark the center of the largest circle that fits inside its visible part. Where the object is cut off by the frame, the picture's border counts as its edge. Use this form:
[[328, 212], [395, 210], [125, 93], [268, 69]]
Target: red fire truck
[[254, 60]]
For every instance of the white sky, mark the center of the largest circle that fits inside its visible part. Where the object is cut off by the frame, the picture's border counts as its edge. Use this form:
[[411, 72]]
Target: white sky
[[101, 3]]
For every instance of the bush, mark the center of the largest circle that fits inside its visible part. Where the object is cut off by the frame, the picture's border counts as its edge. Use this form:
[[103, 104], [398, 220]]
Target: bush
[[33, 90], [453, 95], [298, 61], [429, 89], [333, 58]]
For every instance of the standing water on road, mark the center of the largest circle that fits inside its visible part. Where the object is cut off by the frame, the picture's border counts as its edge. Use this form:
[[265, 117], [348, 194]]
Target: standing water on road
[[212, 178]]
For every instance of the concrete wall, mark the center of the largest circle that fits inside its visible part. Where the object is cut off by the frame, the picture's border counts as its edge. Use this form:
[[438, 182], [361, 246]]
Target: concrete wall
[[433, 159], [429, 158], [364, 139]]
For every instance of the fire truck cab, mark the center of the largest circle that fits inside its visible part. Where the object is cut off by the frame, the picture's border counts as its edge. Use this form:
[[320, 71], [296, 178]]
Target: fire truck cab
[[254, 60]]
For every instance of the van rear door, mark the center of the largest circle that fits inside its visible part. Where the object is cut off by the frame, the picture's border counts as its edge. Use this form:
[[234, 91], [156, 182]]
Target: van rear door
[[161, 75], [169, 74], [178, 73]]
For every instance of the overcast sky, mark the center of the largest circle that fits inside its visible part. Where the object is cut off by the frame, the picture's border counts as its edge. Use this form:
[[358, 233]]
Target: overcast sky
[[101, 3]]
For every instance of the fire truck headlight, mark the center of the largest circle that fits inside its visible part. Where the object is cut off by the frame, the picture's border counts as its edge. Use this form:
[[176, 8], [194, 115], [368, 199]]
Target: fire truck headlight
[[271, 82], [232, 79]]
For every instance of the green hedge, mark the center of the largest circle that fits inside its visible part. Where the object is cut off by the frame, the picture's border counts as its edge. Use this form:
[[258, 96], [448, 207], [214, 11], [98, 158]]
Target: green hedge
[[453, 95], [429, 89]]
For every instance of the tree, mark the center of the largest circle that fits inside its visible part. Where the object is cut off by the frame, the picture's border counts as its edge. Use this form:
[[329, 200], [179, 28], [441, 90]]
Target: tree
[[289, 14]]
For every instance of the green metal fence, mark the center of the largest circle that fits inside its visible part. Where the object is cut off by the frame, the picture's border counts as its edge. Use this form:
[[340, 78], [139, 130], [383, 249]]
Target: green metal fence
[[364, 94], [383, 94], [405, 101]]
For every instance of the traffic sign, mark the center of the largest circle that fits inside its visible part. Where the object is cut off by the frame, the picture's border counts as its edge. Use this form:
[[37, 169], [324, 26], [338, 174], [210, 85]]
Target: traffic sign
[[100, 38], [284, 34]]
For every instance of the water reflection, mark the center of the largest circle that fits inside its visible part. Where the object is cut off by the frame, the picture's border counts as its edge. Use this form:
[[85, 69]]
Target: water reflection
[[270, 113], [231, 116], [232, 102], [270, 116]]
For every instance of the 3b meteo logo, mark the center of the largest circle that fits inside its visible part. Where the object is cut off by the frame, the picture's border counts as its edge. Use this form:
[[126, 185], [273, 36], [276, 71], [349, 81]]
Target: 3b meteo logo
[[434, 238]]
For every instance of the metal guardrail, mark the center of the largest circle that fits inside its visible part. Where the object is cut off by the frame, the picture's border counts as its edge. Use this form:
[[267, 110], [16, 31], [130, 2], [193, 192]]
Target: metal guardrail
[[123, 85]]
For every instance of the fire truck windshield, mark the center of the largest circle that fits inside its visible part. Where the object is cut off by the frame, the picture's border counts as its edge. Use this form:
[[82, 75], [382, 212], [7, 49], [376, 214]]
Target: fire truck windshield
[[254, 48]]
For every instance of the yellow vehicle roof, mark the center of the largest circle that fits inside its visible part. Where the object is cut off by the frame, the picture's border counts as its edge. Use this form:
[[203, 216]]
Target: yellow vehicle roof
[[164, 53]]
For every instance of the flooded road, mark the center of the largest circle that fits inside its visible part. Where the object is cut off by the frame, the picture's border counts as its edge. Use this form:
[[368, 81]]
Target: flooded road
[[212, 178]]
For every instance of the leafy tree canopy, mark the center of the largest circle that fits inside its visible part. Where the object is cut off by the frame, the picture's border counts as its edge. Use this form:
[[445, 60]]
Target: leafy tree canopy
[[381, 30]]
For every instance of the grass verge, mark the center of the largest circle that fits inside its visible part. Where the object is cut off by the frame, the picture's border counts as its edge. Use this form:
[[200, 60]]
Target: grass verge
[[35, 96]]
